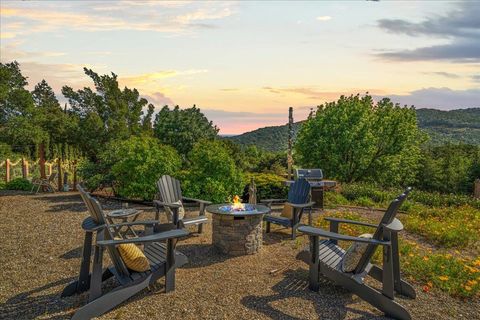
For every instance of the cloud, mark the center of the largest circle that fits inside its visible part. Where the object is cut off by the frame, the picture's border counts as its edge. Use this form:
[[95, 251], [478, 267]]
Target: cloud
[[147, 78], [460, 27], [476, 78], [176, 18], [159, 99], [229, 89], [314, 94], [324, 18], [438, 98], [444, 74]]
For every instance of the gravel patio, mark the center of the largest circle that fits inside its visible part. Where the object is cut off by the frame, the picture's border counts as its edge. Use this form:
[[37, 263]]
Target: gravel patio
[[41, 241]]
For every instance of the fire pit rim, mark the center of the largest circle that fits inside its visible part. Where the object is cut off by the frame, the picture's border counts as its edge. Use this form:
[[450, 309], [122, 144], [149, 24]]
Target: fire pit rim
[[259, 209]]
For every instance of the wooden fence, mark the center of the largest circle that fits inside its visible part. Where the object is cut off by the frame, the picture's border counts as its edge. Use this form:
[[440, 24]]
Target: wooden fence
[[28, 169]]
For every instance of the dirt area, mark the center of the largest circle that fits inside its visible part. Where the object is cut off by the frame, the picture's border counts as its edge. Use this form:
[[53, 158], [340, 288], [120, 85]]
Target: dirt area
[[41, 241]]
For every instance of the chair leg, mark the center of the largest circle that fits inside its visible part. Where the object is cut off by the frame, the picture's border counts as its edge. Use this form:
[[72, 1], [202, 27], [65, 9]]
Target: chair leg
[[268, 227], [294, 232], [170, 266], [369, 294], [110, 300], [202, 213]]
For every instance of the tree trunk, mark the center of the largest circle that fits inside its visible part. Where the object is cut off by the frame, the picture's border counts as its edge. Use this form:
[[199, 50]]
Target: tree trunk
[[41, 155]]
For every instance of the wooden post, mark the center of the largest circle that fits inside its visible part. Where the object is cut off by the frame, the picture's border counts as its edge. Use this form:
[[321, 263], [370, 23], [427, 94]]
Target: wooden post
[[476, 189], [50, 169], [41, 155], [290, 138], [59, 172], [7, 170], [75, 175], [24, 168]]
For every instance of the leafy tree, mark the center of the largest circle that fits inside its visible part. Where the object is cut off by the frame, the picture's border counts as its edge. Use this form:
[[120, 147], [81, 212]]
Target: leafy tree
[[132, 167], [449, 168], [213, 174], [20, 123], [354, 139], [106, 114], [182, 128]]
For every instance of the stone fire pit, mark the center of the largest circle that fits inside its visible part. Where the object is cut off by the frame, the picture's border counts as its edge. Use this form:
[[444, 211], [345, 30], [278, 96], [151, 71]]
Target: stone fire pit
[[237, 232]]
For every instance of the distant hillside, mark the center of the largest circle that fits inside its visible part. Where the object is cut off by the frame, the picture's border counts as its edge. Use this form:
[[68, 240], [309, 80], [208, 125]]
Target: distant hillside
[[454, 126], [269, 138]]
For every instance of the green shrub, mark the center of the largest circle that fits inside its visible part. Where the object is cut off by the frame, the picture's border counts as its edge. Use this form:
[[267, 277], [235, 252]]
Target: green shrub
[[132, 167], [269, 186], [333, 199], [2, 185], [213, 174], [19, 184]]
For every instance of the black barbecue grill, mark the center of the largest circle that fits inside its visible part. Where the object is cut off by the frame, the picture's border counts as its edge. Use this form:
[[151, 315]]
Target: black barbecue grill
[[318, 185]]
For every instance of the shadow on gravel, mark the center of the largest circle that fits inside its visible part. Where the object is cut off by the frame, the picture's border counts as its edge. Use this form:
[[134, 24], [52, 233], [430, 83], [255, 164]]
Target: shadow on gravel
[[331, 302], [36, 303], [201, 255], [73, 254], [63, 202]]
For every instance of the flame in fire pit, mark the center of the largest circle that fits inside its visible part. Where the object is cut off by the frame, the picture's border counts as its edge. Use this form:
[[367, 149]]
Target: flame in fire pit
[[237, 205]]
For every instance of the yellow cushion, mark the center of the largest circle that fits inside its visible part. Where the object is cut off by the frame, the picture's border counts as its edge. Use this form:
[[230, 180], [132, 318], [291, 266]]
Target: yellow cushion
[[133, 257], [287, 211]]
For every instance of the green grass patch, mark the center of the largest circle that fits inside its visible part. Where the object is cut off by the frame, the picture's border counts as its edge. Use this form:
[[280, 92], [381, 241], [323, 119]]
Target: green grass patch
[[457, 276], [448, 227]]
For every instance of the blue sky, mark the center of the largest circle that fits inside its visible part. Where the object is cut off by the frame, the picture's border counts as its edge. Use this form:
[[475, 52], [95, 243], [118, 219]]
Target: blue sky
[[245, 63]]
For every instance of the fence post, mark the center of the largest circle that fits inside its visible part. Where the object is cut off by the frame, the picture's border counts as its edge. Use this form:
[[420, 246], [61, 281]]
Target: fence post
[[75, 175], [7, 170], [476, 189], [59, 172], [24, 168], [50, 169]]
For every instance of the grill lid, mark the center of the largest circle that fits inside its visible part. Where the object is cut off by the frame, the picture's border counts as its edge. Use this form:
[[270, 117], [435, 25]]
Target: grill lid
[[309, 174]]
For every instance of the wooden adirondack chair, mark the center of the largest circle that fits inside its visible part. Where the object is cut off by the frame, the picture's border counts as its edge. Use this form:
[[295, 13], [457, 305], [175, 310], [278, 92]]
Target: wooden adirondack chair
[[298, 199], [170, 193], [325, 258], [162, 257], [47, 183]]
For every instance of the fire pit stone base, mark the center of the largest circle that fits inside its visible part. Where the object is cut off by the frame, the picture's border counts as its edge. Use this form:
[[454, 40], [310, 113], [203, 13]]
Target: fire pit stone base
[[237, 235]]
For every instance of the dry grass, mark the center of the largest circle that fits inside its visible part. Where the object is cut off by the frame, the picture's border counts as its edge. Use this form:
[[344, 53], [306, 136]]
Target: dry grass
[[41, 243]]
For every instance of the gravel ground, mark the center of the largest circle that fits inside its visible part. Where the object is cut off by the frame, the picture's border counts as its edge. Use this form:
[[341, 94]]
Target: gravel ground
[[41, 241]]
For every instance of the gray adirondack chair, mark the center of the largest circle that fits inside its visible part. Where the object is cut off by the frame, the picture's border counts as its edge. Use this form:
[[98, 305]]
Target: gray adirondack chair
[[298, 199], [325, 257], [163, 259], [48, 183], [171, 192], [90, 225]]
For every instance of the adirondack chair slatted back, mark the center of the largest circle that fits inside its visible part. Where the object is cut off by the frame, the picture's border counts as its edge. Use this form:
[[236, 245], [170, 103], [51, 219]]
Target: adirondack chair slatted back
[[299, 192], [120, 266], [387, 218], [93, 214], [169, 189], [52, 177]]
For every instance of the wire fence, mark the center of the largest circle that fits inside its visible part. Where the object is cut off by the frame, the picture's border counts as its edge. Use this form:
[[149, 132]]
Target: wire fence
[[31, 170]]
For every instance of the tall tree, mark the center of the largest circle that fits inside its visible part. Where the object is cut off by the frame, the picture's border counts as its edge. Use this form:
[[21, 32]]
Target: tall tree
[[355, 139], [106, 114], [182, 128]]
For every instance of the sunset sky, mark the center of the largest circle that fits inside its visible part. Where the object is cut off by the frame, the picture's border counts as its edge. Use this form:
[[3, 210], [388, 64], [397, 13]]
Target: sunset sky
[[245, 63]]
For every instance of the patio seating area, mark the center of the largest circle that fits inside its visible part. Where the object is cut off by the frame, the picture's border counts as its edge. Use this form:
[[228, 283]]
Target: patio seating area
[[38, 262]]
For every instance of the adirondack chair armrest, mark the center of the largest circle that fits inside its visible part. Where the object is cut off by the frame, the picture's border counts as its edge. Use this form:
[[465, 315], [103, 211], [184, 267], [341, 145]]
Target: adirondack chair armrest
[[197, 200], [351, 222], [301, 205], [316, 232], [395, 225], [135, 223], [273, 200], [171, 234], [170, 205]]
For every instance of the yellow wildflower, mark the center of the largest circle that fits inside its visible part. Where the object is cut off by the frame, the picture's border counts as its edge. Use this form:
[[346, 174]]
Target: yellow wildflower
[[468, 288], [471, 282], [443, 278]]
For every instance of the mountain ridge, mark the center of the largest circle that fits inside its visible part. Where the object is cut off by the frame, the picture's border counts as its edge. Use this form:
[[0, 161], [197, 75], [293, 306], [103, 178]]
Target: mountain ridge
[[452, 126]]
